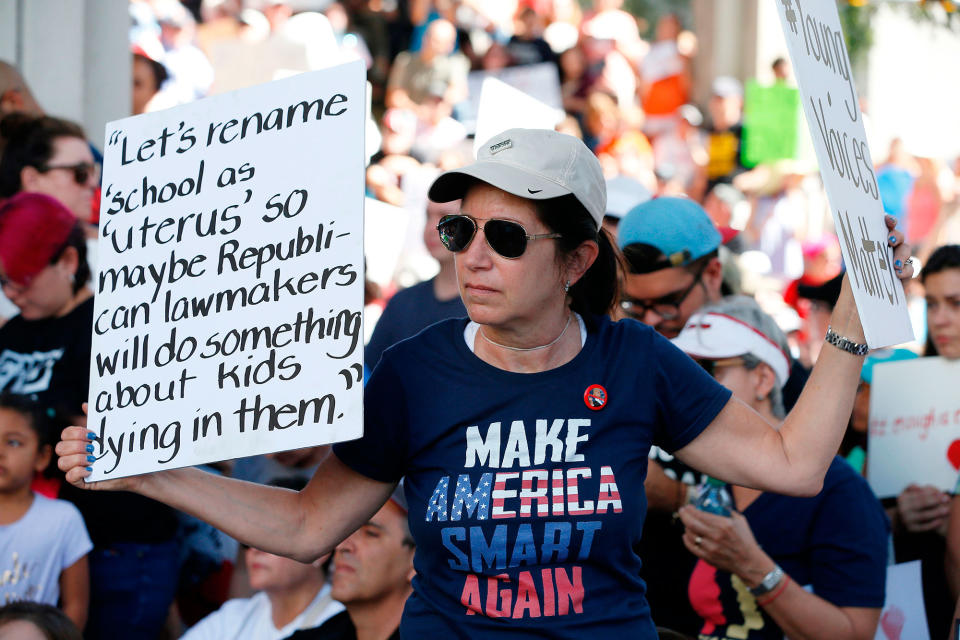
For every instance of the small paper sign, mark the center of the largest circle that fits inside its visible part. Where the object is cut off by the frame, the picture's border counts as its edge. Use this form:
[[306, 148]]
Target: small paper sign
[[914, 435]]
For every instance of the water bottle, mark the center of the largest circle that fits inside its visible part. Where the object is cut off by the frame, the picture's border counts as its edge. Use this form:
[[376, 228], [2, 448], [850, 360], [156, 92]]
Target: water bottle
[[713, 497]]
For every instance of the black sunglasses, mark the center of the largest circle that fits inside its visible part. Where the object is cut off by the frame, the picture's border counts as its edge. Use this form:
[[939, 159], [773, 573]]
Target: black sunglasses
[[82, 171], [507, 238], [667, 307]]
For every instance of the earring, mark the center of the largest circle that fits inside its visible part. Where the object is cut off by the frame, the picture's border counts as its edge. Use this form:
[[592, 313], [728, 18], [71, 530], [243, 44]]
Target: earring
[[566, 287]]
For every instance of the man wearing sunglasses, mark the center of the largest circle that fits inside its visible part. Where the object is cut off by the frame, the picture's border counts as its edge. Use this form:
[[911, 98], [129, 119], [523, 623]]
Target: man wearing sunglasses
[[670, 247]]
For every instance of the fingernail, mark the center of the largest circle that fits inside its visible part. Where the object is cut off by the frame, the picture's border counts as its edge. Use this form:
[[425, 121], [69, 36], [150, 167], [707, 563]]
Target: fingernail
[[89, 448], [897, 263], [91, 458], [893, 239], [89, 468], [91, 435]]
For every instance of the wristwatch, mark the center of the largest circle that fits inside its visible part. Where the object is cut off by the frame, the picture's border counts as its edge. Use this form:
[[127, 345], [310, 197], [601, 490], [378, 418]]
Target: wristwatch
[[845, 344], [770, 582]]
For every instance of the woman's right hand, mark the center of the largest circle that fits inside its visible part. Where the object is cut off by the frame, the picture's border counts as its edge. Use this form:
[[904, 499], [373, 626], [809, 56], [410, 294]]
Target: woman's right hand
[[923, 509], [76, 445]]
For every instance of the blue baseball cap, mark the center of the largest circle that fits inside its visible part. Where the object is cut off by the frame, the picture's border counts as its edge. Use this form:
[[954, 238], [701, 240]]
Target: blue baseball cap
[[678, 227], [879, 357]]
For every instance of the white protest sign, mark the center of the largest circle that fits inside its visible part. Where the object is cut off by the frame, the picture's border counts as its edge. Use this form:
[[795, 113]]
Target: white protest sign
[[822, 67], [904, 616], [502, 107], [914, 433], [384, 226], [539, 81], [229, 298]]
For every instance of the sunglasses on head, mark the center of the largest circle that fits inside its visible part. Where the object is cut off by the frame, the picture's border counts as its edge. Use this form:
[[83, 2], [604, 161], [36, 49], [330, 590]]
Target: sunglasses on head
[[82, 171], [509, 239]]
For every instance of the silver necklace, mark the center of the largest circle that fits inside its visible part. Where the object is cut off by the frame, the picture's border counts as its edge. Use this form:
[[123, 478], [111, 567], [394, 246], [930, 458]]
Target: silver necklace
[[543, 346]]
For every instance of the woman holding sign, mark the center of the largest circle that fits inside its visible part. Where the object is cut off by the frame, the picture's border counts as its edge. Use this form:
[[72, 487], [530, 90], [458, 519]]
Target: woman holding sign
[[523, 433], [941, 282]]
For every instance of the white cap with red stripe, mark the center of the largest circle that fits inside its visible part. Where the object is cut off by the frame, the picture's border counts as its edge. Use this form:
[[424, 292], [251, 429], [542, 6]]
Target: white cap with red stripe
[[714, 336]]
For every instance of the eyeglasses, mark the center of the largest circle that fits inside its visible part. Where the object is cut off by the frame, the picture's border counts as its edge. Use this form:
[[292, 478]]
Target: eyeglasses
[[711, 366], [14, 287], [507, 238], [82, 171], [667, 307]]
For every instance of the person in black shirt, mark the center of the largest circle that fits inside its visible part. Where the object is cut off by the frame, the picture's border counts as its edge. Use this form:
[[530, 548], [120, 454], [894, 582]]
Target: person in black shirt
[[414, 309]]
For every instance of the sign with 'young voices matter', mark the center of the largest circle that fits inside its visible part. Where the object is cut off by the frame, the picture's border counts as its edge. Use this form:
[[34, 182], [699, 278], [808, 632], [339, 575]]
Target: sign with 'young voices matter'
[[829, 97], [229, 298]]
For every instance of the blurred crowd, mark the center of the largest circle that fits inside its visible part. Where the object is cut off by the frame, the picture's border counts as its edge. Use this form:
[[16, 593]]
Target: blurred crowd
[[701, 225]]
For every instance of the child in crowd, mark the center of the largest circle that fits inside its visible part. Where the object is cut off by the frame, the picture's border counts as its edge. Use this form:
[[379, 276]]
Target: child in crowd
[[43, 542], [35, 621]]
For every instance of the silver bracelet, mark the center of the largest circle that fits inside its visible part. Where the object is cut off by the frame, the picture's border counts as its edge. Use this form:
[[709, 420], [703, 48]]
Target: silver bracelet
[[845, 344]]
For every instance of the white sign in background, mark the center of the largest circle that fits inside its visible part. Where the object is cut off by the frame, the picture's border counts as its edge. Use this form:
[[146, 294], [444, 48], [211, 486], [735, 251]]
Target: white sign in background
[[904, 616], [914, 432], [539, 81], [822, 67], [229, 298], [503, 107]]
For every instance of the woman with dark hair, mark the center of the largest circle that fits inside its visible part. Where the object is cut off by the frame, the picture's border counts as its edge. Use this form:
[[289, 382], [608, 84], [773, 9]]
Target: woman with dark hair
[[941, 282], [148, 78], [45, 350], [524, 485], [50, 156]]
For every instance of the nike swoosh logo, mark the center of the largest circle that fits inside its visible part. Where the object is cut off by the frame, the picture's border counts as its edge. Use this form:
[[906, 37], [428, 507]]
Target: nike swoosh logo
[[534, 191]]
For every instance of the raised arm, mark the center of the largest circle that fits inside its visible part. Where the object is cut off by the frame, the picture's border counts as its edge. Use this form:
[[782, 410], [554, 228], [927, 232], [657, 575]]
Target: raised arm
[[741, 448], [301, 525]]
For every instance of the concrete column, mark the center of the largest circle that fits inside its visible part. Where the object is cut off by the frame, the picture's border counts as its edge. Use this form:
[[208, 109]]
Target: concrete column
[[74, 55]]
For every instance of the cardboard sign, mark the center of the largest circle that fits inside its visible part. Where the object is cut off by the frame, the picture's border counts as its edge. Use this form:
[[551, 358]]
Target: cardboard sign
[[539, 81], [914, 433], [822, 67], [502, 107], [229, 296], [904, 616], [771, 119]]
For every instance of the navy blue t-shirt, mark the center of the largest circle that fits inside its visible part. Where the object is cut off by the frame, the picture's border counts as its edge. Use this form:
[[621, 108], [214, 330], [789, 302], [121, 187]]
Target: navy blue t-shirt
[[526, 490], [409, 312], [834, 543]]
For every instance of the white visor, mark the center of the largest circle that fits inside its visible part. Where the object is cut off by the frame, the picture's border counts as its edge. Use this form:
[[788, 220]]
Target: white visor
[[714, 336]]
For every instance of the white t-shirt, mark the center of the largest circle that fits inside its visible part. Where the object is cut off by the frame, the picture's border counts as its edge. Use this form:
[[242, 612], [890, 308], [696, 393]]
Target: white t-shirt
[[250, 619], [35, 549]]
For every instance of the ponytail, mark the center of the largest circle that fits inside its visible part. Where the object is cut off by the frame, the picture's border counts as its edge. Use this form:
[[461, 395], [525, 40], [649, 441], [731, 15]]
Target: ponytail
[[597, 290]]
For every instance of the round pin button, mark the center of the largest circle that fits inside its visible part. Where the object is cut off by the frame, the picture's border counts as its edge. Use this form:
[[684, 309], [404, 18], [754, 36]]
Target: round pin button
[[595, 397]]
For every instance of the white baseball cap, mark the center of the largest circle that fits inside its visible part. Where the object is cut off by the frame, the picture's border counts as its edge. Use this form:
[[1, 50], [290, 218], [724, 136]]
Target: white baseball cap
[[536, 164], [714, 336]]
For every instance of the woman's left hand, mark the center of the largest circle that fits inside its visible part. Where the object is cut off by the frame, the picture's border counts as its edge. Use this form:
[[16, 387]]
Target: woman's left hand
[[727, 543], [902, 264]]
